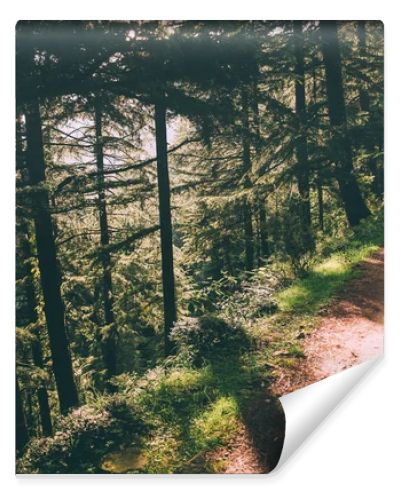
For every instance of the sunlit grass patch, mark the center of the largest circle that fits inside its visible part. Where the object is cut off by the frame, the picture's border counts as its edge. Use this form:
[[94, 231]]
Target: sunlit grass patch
[[282, 334], [186, 379], [217, 425], [190, 412], [172, 448], [309, 294]]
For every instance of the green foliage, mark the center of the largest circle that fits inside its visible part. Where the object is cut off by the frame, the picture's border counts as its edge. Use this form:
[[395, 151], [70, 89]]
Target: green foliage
[[253, 297], [212, 427], [187, 411], [233, 134], [82, 438], [190, 410], [200, 340], [312, 292], [330, 274], [298, 239], [370, 230], [238, 298]]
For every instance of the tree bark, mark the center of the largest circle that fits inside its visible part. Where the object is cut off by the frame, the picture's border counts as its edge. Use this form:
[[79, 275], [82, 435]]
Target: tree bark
[[302, 168], [109, 342], [354, 204], [262, 214], [43, 398], [32, 317], [21, 432], [37, 355], [48, 266], [226, 247], [164, 196], [246, 207], [319, 182], [263, 246], [320, 195]]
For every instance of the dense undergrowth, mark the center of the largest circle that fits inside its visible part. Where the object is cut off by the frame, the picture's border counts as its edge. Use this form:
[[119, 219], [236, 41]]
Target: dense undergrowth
[[299, 304], [172, 414], [168, 419]]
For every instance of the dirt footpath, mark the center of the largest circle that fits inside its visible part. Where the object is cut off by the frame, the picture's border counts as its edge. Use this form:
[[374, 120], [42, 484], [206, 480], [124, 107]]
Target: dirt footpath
[[350, 332]]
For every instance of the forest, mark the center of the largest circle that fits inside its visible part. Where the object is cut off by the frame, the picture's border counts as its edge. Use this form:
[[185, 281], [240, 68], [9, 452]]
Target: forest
[[189, 196]]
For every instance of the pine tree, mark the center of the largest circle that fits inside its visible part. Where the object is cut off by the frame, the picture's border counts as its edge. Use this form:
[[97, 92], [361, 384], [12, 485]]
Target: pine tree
[[48, 266], [109, 342], [164, 200], [353, 201]]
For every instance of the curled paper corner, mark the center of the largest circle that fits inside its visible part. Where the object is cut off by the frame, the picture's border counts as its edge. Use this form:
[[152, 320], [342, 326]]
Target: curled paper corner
[[306, 408]]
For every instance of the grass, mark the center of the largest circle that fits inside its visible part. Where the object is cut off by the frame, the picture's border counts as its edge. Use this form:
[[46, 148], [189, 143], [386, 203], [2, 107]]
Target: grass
[[324, 280], [201, 410], [300, 303], [189, 412], [216, 424]]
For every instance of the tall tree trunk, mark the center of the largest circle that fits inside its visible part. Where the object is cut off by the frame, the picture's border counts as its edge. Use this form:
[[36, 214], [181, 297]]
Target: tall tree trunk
[[263, 245], [248, 235], [37, 354], [109, 339], [164, 196], [32, 316], [262, 214], [48, 266], [354, 204], [302, 169], [247, 209], [29, 417], [319, 181], [216, 260], [43, 398], [21, 431], [320, 195]]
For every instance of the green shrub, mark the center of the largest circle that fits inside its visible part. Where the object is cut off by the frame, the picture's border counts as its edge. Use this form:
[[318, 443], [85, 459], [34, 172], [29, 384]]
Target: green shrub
[[254, 298], [371, 230], [200, 340], [298, 239], [82, 438]]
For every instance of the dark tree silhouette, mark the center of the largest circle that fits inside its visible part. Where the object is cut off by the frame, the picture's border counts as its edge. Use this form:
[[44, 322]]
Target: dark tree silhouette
[[26, 256], [247, 208], [302, 168], [108, 343], [164, 200], [353, 201], [20, 423], [37, 354], [48, 266]]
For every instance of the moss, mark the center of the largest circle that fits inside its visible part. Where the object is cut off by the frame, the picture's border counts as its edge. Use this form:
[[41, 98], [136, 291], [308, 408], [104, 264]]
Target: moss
[[216, 425]]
